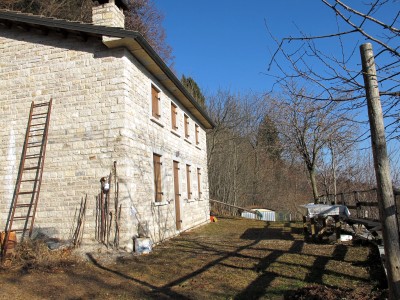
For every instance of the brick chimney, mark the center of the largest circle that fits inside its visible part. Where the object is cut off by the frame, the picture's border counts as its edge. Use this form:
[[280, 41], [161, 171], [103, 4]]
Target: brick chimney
[[109, 13]]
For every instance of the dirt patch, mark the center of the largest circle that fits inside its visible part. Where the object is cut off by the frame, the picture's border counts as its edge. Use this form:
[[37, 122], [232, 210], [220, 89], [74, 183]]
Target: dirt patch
[[233, 258], [321, 292]]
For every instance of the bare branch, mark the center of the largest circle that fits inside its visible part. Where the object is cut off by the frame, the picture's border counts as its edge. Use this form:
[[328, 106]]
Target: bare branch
[[360, 30], [367, 16]]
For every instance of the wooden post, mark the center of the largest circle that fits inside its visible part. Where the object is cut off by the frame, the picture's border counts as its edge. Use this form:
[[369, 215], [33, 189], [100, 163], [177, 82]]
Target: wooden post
[[357, 202], [305, 228], [386, 203], [313, 228], [338, 227]]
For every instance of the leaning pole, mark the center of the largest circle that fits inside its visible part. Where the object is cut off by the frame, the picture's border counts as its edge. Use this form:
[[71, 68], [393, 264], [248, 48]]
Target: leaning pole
[[387, 209]]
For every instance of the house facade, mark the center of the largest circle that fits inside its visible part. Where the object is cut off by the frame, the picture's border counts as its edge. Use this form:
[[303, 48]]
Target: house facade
[[114, 101]]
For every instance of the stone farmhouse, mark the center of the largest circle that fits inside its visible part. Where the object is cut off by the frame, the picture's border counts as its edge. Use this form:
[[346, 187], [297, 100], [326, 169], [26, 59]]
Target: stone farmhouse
[[114, 100]]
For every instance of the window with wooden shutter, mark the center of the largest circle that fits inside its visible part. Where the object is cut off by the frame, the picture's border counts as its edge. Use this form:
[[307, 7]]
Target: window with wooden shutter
[[155, 102], [174, 113], [189, 191], [199, 182], [157, 178], [197, 134], [186, 120]]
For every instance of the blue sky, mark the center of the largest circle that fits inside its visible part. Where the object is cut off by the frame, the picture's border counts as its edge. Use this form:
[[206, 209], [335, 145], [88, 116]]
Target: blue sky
[[225, 44]]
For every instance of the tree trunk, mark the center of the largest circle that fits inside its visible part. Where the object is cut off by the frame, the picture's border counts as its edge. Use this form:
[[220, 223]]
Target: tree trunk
[[313, 181], [333, 171], [386, 202]]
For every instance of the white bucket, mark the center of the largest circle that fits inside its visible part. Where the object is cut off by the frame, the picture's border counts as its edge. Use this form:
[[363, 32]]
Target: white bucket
[[345, 237]]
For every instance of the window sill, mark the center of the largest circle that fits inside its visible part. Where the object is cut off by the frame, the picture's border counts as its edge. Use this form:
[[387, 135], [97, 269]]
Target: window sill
[[176, 133], [157, 121], [198, 147], [162, 203], [190, 200], [186, 140]]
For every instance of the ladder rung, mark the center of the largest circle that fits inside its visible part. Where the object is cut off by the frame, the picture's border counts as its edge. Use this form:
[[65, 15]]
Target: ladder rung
[[41, 114], [33, 146], [26, 193], [31, 157], [40, 129], [35, 135], [31, 168], [23, 205], [20, 230], [28, 180], [40, 124], [22, 218], [31, 143], [41, 104]]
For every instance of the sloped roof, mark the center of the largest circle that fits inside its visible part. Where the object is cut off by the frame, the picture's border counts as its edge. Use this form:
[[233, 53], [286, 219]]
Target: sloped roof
[[131, 40]]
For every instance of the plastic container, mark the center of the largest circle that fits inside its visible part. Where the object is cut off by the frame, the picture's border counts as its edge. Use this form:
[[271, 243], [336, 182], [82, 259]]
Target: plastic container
[[345, 237], [12, 240], [143, 245]]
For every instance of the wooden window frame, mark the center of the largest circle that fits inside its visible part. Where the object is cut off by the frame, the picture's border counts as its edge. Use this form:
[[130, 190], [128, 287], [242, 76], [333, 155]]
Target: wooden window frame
[[188, 182], [186, 121], [155, 102], [197, 131], [157, 178], [199, 182], [174, 116]]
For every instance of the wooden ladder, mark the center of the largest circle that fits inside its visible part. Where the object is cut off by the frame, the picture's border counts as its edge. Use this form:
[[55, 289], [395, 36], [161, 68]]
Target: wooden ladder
[[26, 195]]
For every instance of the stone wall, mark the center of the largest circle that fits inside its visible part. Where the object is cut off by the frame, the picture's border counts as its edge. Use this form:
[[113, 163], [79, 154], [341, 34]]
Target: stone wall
[[101, 114], [108, 14], [157, 136]]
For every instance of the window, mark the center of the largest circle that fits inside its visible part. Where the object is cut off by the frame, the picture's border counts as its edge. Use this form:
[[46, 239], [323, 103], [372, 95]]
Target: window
[[186, 119], [199, 182], [189, 191], [157, 178], [155, 102], [197, 134], [174, 113]]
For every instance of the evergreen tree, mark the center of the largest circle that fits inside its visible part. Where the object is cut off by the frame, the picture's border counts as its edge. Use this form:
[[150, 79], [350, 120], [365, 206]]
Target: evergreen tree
[[268, 138], [191, 85]]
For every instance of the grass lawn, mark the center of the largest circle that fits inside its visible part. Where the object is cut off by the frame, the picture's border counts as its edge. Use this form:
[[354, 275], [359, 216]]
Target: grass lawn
[[231, 259]]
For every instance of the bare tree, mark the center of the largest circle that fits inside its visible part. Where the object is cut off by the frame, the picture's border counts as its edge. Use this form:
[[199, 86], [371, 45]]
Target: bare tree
[[307, 127], [335, 74], [244, 156], [145, 18], [75, 10]]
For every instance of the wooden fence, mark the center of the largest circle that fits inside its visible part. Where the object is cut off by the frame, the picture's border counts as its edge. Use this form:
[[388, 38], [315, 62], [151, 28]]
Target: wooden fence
[[361, 204]]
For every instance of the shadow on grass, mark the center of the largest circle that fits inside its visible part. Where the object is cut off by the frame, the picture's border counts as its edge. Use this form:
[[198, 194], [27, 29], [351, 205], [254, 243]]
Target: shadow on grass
[[165, 292], [315, 277], [319, 265], [251, 238], [374, 266], [258, 287], [263, 234]]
